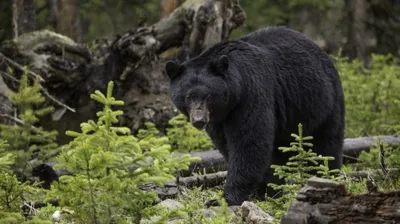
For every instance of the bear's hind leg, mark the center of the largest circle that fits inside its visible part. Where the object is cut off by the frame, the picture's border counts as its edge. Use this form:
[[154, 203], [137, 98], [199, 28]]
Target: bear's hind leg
[[328, 141]]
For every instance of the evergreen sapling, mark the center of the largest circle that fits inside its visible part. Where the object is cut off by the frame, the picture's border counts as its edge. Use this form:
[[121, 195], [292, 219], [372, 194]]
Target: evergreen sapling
[[110, 166]]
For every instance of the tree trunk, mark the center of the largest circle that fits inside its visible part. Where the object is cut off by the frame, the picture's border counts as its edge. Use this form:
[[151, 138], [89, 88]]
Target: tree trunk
[[53, 11], [6, 26], [385, 23], [355, 46], [167, 6], [23, 16], [68, 22]]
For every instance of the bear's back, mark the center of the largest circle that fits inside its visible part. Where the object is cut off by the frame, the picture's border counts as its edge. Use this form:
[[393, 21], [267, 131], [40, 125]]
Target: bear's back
[[307, 82], [279, 37]]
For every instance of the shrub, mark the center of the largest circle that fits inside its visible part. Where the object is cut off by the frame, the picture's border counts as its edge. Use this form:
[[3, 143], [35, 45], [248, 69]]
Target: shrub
[[370, 94], [28, 144], [110, 166], [184, 137]]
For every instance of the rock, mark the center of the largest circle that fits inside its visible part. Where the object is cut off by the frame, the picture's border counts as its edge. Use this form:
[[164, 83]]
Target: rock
[[170, 204], [253, 214], [57, 216], [321, 190], [208, 213]]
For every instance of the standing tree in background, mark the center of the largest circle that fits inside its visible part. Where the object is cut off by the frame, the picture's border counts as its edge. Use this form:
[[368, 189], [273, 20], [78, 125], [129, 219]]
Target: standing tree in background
[[5, 20], [167, 6], [23, 16], [355, 46], [68, 22], [53, 11], [384, 20]]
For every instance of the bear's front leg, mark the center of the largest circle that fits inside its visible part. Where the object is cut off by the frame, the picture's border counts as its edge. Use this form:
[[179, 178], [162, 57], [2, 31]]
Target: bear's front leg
[[246, 172], [250, 155]]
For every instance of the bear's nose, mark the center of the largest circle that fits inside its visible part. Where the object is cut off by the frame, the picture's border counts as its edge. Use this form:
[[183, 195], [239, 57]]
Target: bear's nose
[[197, 116]]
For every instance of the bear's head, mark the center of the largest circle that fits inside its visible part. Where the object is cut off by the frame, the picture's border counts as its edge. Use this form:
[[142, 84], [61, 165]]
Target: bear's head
[[199, 89]]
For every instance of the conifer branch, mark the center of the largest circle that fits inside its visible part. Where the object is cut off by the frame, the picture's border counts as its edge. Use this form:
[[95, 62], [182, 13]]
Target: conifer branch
[[15, 119]]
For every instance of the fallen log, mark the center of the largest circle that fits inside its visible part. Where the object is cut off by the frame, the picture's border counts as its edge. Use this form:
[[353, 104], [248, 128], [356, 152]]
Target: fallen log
[[216, 179], [212, 161], [325, 201]]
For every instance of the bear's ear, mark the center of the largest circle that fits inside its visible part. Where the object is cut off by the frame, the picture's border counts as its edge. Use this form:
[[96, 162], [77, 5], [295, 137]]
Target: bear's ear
[[221, 65], [172, 69]]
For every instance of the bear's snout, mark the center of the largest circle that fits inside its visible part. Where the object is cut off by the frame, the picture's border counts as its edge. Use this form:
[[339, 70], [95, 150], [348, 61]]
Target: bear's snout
[[199, 118]]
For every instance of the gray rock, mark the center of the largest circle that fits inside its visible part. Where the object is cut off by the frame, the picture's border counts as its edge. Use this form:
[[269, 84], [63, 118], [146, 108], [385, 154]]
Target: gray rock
[[170, 204], [253, 214]]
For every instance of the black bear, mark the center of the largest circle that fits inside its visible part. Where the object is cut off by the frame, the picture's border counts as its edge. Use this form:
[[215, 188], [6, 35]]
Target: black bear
[[250, 94]]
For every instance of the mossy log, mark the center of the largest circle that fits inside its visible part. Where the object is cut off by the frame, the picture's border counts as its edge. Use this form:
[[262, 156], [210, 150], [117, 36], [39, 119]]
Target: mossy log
[[134, 61]]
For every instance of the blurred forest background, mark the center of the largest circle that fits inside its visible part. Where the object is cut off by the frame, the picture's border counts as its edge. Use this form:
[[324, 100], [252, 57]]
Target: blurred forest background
[[128, 41], [358, 26]]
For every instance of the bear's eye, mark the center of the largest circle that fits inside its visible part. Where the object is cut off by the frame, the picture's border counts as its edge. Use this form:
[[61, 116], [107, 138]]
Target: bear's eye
[[209, 98], [188, 98]]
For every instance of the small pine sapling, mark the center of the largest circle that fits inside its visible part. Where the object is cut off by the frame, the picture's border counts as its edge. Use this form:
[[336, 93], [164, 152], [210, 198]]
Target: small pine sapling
[[6, 158], [301, 166], [305, 163], [13, 194], [150, 131], [186, 138], [104, 187], [30, 145]]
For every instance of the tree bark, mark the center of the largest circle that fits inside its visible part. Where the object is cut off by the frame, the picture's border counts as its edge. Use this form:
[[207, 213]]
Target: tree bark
[[324, 201], [68, 22], [23, 16]]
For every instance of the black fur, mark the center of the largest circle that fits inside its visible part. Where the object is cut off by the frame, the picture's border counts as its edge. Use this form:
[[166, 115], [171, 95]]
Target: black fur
[[46, 174], [257, 89]]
